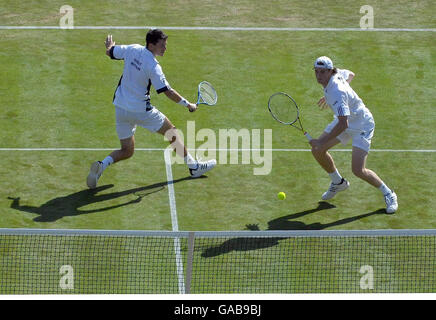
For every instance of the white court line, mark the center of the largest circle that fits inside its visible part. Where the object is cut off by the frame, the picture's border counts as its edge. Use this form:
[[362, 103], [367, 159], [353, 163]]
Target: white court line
[[171, 194], [215, 28], [174, 222], [200, 149]]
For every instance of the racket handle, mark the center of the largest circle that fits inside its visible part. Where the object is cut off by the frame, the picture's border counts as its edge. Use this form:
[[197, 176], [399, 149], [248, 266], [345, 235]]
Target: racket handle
[[308, 136]]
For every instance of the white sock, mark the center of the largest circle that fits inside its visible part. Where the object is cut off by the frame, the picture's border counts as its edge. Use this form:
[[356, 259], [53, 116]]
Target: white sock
[[336, 177], [107, 162], [384, 189], [190, 161]]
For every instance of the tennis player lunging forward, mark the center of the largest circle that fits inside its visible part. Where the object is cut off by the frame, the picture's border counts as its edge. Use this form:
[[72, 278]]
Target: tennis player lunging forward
[[352, 120], [133, 107]]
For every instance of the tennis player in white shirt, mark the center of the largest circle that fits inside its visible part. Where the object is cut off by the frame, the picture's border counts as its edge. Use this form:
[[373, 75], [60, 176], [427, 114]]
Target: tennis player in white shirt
[[352, 121], [133, 107]]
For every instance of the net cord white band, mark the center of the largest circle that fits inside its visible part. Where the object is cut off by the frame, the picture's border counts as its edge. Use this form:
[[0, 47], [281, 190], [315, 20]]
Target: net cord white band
[[220, 234]]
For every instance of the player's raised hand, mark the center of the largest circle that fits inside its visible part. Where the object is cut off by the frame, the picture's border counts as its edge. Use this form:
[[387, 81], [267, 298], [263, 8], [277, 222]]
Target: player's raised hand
[[109, 43], [322, 103]]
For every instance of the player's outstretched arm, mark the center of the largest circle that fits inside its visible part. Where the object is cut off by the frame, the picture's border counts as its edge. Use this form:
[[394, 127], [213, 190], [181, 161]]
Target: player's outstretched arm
[[176, 97]]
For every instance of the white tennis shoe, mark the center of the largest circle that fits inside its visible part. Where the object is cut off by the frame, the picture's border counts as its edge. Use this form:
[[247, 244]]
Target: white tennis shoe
[[335, 188], [94, 174], [391, 202], [202, 168]]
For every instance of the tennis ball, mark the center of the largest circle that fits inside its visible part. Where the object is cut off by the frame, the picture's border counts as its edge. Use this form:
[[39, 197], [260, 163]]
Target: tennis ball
[[281, 196]]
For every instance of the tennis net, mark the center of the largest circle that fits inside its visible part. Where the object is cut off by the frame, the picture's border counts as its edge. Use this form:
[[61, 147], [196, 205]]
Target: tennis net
[[39, 261]]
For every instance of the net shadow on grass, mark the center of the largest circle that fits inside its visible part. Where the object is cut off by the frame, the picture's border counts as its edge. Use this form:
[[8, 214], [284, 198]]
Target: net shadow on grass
[[282, 223], [70, 205]]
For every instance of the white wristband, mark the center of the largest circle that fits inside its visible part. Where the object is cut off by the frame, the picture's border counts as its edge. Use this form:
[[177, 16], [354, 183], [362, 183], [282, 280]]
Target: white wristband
[[183, 102]]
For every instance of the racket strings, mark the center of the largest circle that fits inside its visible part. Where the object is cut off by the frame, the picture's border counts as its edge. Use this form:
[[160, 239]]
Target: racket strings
[[208, 94], [283, 109]]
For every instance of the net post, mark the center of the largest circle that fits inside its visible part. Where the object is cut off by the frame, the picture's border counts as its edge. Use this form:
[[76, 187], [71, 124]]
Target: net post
[[190, 259]]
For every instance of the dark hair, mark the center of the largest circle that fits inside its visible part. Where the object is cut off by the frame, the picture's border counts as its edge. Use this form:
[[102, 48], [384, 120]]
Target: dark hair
[[154, 35], [335, 70]]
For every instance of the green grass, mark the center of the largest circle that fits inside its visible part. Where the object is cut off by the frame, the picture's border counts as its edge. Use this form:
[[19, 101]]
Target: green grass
[[279, 13], [57, 90]]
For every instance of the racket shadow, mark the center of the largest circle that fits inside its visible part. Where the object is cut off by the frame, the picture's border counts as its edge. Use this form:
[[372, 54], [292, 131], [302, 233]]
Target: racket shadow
[[282, 223]]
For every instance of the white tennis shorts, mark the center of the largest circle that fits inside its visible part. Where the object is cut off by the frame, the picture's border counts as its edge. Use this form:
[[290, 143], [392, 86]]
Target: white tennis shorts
[[360, 132], [126, 121]]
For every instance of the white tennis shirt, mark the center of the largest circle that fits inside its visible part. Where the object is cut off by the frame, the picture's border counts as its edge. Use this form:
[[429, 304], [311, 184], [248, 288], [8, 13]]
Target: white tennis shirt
[[343, 100], [141, 70]]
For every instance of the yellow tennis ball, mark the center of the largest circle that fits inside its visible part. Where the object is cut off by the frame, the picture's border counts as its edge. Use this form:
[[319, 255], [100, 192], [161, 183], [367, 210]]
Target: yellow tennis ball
[[281, 196]]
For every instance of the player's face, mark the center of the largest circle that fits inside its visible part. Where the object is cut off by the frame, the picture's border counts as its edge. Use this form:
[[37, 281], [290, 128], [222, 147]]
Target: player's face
[[323, 75], [159, 48]]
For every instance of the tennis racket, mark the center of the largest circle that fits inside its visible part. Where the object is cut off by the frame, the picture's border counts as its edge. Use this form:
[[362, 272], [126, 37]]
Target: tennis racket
[[206, 94], [284, 109]]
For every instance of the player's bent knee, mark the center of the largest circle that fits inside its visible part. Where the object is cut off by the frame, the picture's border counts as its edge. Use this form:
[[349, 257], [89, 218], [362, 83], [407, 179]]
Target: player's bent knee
[[127, 152], [171, 134], [130, 153], [359, 172]]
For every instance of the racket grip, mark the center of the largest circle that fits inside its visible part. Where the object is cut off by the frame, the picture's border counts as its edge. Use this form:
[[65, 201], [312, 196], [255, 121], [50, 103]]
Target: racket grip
[[308, 136]]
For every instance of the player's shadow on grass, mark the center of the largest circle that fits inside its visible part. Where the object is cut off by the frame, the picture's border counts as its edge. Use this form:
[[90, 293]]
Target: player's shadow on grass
[[70, 205], [282, 223]]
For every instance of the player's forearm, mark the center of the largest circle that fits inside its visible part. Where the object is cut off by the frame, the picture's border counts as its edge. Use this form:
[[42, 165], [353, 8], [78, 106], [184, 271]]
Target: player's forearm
[[340, 127], [173, 95], [176, 97]]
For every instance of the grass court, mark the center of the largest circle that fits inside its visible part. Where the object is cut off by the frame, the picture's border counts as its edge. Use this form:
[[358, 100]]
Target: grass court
[[57, 115]]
